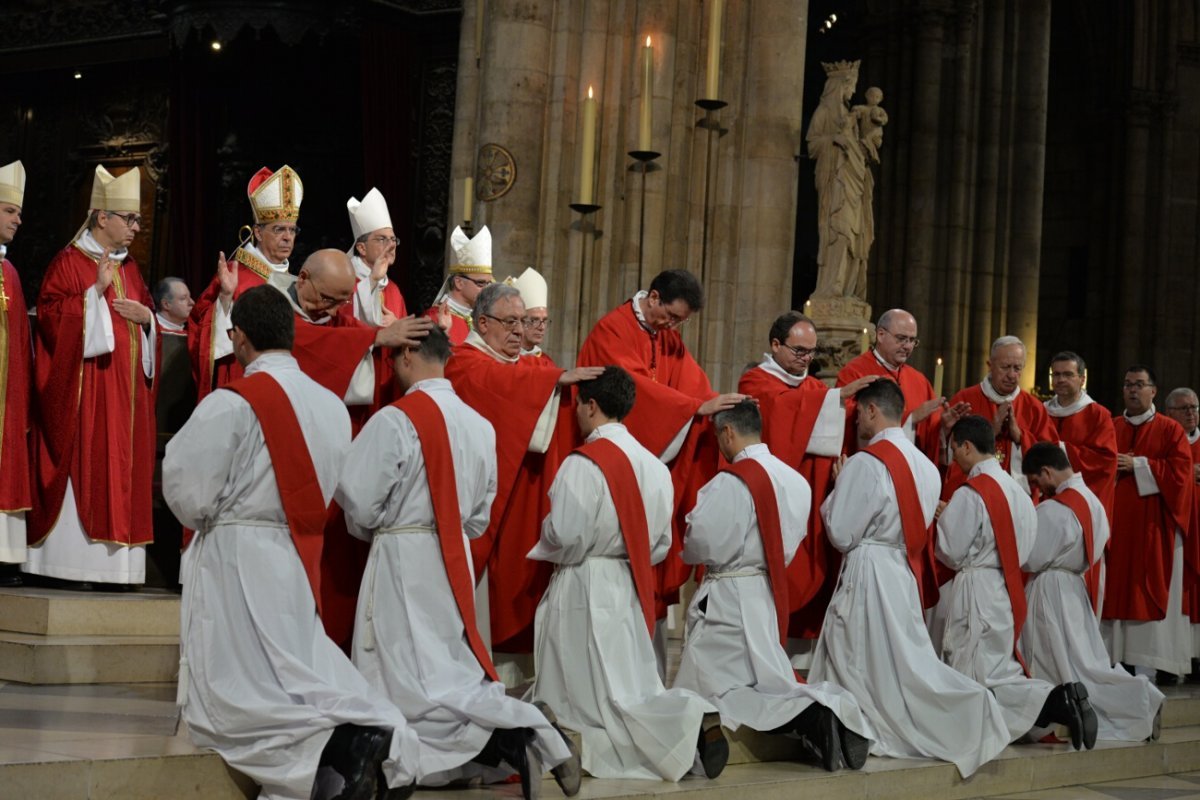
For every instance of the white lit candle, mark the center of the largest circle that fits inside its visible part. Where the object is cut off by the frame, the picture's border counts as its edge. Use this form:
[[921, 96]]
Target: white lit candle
[[468, 199], [712, 85], [587, 151], [644, 119], [938, 374], [865, 344]]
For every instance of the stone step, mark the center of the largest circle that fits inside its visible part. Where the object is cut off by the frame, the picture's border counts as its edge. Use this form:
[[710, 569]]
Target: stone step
[[34, 658], [56, 612]]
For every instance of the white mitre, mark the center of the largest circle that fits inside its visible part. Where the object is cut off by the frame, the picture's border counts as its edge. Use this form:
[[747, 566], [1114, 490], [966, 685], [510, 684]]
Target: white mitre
[[532, 287], [121, 193], [12, 183], [368, 214], [471, 256]]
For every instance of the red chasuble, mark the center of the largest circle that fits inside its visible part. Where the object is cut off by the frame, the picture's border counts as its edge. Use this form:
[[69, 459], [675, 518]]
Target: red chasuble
[[766, 511], [295, 475], [789, 416], [1191, 549], [912, 519], [671, 387], [631, 516], [1092, 448], [210, 372], [1141, 550], [917, 390], [1032, 420], [16, 387], [430, 425], [511, 397], [95, 416], [995, 501], [459, 327]]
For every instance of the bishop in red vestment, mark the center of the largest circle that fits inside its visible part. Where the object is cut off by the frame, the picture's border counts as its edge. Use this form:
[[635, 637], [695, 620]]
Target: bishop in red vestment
[[15, 384], [1183, 406], [522, 399], [95, 432], [1143, 596], [804, 426], [470, 271], [1084, 427], [641, 336]]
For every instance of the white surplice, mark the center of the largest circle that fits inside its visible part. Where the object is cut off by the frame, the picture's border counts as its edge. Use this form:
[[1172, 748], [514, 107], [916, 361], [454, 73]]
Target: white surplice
[[978, 639], [409, 639], [874, 642], [1061, 639], [732, 655], [67, 552], [595, 661], [267, 686]]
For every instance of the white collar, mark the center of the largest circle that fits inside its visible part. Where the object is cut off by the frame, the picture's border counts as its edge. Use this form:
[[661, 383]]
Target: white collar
[[1055, 410], [88, 244], [1145, 416], [883, 362], [1193, 436], [637, 312], [3, 251], [476, 341], [895, 433], [268, 360], [253, 250], [751, 451], [994, 396], [605, 431], [770, 366], [536, 351], [430, 385], [457, 307], [166, 324], [988, 465], [1073, 482]]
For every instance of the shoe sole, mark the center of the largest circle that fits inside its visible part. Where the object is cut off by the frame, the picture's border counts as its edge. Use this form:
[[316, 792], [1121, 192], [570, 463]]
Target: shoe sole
[[569, 781], [714, 747], [367, 787], [1079, 695], [855, 747]]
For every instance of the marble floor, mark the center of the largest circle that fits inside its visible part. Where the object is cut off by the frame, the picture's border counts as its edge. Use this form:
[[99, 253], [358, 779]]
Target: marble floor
[[1184, 786]]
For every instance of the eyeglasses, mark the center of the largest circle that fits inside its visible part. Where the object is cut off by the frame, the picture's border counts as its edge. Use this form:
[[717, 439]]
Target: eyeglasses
[[1139, 385], [1184, 409], [536, 322], [508, 324], [799, 352], [902, 340], [128, 219], [280, 230], [392, 240]]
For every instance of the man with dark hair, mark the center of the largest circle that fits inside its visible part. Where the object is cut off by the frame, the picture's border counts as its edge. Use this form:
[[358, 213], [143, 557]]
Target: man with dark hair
[[521, 398], [985, 533], [609, 521], [804, 424], [1144, 624], [747, 523], [470, 271], [1084, 426], [675, 399], [1061, 640], [874, 642], [172, 305], [421, 475], [252, 472]]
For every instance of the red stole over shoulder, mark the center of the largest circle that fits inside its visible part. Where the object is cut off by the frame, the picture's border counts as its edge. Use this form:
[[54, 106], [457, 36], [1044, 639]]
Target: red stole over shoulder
[[430, 425], [1078, 504], [1000, 516], [766, 508], [631, 515], [299, 489], [912, 518]]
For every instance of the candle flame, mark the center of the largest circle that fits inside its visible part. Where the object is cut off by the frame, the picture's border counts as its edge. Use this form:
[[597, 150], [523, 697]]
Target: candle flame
[[647, 41], [939, 362], [589, 93]]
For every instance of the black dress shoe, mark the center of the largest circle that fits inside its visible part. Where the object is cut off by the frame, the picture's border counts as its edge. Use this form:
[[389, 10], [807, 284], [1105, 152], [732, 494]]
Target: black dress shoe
[[1079, 696], [712, 746], [1164, 678], [855, 747], [399, 793], [10, 576], [1061, 709], [511, 746], [569, 774], [818, 726], [355, 752]]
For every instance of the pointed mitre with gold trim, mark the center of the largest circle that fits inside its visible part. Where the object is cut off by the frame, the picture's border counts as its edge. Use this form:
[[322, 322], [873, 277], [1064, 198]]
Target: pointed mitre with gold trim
[[12, 183], [275, 196], [120, 193], [469, 255]]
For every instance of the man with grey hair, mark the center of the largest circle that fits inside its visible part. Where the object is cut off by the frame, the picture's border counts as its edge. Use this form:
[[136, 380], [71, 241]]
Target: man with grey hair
[[520, 397], [1084, 427], [1183, 406], [1018, 418]]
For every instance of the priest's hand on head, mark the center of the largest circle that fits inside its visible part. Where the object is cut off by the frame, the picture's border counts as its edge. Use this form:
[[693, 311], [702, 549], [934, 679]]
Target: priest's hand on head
[[104, 271], [406, 332], [133, 311], [387, 317], [579, 374], [227, 276], [851, 388], [953, 413], [720, 403]]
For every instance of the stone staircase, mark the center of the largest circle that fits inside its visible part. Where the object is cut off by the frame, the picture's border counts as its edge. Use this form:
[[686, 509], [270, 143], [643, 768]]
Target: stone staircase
[[88, 712]]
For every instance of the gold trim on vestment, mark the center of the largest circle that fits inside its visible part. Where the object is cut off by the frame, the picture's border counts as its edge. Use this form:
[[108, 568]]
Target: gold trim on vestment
[[3, 363], [253, 263]]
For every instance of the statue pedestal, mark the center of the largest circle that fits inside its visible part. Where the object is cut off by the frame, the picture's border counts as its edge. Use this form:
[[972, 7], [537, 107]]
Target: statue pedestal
[[840, 322]]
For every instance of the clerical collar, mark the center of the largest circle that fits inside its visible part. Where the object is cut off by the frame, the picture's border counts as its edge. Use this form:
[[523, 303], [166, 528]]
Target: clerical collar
[[750, 451], [458, 309], [253, 250], [770, 366], [429, 384], [476, 341], [637, 312], [1193, 436], [269, 360], [1073, 482], [1054, 409], [363, 271], [88, 244], [605, 431], [534, 352], [3, 251], [991, 394], [1145, 416], [988, 465], [895, 433], [166, 325], [883, 361]]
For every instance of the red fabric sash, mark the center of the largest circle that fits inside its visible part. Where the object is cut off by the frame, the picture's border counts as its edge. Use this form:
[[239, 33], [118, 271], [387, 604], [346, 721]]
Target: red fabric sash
[[427, 418], [299, 490], [912, 518], [631, 514], [1078, 504], [758, 481], [996, 504]]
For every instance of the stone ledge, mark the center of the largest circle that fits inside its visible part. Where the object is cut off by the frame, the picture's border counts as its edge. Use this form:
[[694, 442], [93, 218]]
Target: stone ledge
[[57, 612], [30, 658]]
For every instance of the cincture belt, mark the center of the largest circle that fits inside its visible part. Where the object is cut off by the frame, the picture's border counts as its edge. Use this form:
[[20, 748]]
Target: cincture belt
[[249, 523], [408, 529], [622, 557], [1075, 573], [367, 628], [748, 572], [873, 543]]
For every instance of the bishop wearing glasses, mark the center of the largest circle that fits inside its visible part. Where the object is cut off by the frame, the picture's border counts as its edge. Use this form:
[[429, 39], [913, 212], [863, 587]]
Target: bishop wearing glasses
[[470, 272]]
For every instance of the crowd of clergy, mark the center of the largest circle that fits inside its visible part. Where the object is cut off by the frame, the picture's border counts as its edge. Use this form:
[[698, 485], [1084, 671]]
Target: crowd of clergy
[[419, 552]]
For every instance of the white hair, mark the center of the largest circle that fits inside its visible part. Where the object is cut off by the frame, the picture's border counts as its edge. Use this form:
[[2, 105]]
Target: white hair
[[1176, 394], [1005, 341]]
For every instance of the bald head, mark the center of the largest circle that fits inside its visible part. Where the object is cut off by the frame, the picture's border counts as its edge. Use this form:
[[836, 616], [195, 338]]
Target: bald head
[[326, 282], [896, 336]]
